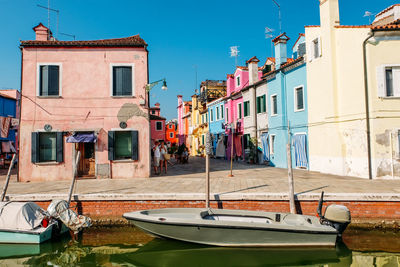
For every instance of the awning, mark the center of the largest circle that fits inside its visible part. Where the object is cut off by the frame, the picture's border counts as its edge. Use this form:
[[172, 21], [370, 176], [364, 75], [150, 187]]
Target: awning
[[82, 138]]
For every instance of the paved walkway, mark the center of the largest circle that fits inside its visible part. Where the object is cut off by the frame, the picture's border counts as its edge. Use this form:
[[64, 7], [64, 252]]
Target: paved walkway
[[186, 182]]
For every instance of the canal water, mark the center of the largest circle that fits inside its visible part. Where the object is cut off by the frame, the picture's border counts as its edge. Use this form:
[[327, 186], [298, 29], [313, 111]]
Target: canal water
[[128, 246]]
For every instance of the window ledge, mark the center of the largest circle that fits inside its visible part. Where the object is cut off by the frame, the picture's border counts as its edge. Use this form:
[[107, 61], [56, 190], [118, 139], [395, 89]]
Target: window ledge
[[49, 96], [123, 96], [124, 160], [389, 97], [47, 163], [299, 110], [274, 115]]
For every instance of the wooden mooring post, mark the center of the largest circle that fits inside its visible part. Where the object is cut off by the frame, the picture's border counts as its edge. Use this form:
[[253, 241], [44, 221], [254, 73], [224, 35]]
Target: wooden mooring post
[[290, 174], [3, 194], [71, 188]]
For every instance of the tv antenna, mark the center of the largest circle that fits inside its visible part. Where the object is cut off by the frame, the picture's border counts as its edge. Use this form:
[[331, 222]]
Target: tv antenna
[[369, 15], [280, 17], [235, 53], [269, 35], [70, 35], [48, 15]]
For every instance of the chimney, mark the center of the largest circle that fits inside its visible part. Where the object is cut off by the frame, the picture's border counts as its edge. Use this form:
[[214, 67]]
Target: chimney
[[280, 49], [253, 69], [329, 13], [42, 33]]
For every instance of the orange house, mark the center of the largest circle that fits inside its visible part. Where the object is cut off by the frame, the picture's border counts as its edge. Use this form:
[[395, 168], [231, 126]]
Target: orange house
[[171, 132]]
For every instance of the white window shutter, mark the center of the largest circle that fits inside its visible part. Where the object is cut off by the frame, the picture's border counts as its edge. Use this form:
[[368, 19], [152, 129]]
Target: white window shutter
[[396, 82], [319, 47], [380, 71], [309, 51]]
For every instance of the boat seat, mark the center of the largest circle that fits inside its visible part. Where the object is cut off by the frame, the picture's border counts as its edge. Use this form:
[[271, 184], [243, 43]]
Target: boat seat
[[295, 219]]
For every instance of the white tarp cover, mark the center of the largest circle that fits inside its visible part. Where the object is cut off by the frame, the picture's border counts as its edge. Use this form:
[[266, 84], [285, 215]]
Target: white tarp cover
[[20, 215], [59, 209]]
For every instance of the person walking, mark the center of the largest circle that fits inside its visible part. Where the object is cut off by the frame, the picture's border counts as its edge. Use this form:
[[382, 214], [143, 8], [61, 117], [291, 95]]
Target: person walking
[[157, 157], [163, 152]]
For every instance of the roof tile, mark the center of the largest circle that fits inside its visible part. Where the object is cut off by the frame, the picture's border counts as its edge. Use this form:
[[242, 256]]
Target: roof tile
[[131, 41]]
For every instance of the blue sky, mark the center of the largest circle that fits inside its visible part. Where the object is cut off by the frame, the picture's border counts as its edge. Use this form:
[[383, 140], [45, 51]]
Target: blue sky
[[182, 35]]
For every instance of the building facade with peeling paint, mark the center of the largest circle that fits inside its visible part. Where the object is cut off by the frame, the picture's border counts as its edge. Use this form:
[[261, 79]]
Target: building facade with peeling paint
[[87, 98], [353, 94]]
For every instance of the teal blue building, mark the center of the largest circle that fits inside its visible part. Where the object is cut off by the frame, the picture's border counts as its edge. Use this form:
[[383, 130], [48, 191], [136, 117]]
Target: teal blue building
[[216, 120], [287, 102]]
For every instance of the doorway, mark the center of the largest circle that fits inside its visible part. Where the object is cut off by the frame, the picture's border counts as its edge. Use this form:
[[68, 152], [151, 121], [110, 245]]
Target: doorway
[[87, 162]]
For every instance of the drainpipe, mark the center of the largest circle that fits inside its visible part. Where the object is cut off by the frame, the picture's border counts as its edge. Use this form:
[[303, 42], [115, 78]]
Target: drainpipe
[[20, 113], [368, 126]]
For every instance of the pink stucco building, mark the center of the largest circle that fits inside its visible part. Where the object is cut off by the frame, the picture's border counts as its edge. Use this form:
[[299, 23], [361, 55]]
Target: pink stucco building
[[234, 108], [157, 124], [87, 97]]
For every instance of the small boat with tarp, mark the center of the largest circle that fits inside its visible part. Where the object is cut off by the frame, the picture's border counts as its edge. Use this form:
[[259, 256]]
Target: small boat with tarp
[[28, 223]]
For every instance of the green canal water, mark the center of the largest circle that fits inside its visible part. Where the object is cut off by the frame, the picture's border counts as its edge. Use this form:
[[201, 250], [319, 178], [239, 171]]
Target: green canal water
[[128, 246]]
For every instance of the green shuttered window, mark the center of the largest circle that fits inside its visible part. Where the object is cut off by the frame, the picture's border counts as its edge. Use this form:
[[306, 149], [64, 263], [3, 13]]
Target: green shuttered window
[[261, 104], [47, 147], [49, 80], [123, 145], [246, 108], [122, 81]]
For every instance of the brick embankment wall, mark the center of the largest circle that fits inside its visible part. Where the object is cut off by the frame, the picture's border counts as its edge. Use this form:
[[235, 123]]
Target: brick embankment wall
[[362, 212]]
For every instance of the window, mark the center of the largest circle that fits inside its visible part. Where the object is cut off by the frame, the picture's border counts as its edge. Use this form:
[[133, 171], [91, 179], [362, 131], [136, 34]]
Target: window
[[316, 47], [47, 147], [206, 117], [159, 125], [217, 112], [171, 135], [272, 144], [226, 117], [49, 80], [238, 81], [211, 115], [301, 49], [123, 145], [202, 139], [261, 104], [170, 126], [389, 81], [274, 105], [298, 99], [222, 111], [153, 112], [239, 110], [122, 80], [246, 108]]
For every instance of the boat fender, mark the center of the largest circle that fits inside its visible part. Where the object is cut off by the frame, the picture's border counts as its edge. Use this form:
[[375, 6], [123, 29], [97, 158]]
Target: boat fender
[[45, 222]]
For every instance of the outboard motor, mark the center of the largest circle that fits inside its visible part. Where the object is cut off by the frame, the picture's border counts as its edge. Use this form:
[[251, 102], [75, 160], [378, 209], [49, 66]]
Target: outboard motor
[[59, 209], [337, 216]]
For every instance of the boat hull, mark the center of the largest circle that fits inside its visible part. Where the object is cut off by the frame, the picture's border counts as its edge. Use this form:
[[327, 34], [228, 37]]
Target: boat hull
[[233, 234], [30, 237]]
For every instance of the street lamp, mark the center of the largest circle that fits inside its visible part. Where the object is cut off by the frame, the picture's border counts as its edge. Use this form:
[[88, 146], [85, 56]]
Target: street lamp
[[151, 85]]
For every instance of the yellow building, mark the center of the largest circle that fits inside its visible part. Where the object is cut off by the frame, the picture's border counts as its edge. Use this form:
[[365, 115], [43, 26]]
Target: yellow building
[[198, 128], [353, 79], [209, 91]]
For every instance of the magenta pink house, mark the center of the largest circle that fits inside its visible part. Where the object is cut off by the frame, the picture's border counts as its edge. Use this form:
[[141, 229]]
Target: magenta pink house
[[234, 109], [87, 98], [157, 124]]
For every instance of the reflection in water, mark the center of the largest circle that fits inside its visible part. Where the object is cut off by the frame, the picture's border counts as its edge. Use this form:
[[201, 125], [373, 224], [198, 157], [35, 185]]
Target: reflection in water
[[128, 246]]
